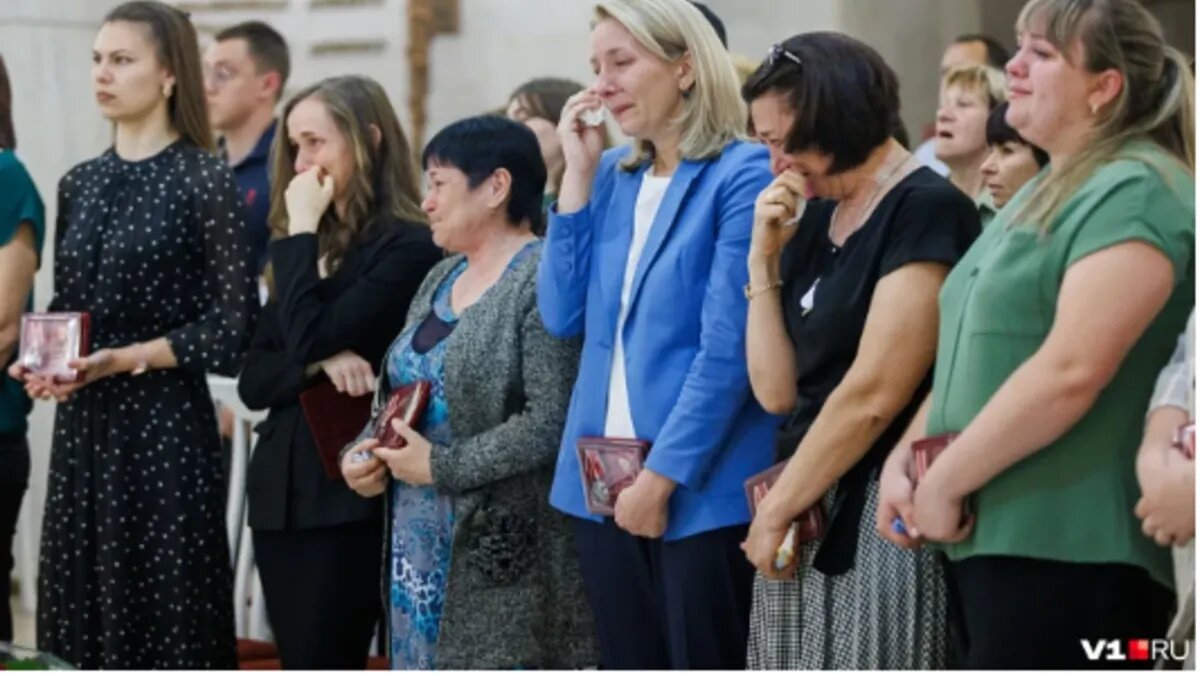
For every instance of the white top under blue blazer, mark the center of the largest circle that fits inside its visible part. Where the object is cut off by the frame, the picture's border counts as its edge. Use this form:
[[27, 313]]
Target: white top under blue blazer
[[684, 332]]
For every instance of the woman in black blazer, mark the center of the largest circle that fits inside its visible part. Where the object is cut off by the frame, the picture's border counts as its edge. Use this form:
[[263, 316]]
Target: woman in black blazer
[[350, 251]]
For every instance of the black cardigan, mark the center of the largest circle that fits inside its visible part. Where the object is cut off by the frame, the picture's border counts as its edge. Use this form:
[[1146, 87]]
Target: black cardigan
[[361, 307]]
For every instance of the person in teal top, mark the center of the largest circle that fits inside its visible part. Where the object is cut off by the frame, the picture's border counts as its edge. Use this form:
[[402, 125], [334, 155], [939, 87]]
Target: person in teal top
[[1053, 328], [22, 229]]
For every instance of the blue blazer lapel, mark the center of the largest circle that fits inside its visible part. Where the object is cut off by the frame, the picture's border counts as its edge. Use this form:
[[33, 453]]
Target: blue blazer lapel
[[616, 237], [664, 220]]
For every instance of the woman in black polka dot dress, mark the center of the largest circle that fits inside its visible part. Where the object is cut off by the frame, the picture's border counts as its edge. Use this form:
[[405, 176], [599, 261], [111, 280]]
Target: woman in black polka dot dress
[[135, 569]]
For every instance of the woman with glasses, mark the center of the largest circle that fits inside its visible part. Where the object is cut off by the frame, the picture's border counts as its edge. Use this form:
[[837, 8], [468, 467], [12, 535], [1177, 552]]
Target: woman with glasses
[[645, 257], [841, 332]]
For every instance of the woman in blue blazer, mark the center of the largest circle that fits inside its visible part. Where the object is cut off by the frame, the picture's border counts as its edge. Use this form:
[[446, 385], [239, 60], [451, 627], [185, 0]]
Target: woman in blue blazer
[[645, 257]]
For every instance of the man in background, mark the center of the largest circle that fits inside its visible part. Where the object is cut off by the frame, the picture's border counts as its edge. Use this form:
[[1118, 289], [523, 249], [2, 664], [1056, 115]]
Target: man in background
[[245, 71]]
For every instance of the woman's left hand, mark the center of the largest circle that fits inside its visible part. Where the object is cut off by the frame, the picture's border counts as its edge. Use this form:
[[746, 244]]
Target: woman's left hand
[[307, 197], [91, 368], [762, 544], [641, 507], [411, 463], [939, 515]]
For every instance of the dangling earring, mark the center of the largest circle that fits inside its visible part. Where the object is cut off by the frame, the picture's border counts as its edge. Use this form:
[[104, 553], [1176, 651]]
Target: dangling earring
[[166, 89], [1094, 108]]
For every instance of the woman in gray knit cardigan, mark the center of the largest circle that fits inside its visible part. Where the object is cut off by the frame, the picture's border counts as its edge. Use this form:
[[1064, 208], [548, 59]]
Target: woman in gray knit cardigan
[[481, 572]]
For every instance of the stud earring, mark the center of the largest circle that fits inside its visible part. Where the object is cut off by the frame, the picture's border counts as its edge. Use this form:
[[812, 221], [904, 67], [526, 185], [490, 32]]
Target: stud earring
[[1094, 108]]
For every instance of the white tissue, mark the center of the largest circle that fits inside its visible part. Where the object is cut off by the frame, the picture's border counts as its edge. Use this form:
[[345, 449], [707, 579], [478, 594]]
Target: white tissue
[[593, 117]]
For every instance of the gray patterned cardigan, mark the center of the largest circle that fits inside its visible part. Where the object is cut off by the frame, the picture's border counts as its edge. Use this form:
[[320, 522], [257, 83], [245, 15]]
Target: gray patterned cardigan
[[514, 596]]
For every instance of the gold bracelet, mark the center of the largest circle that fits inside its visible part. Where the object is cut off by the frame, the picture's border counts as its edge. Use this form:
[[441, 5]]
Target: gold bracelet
[[751, 293]]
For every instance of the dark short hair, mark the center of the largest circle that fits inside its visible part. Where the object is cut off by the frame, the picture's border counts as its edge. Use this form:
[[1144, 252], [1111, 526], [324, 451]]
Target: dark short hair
[[267, 47], [900, 134], [999, 132], [845, 97], [479, 146], [997, 54], [713, 20]]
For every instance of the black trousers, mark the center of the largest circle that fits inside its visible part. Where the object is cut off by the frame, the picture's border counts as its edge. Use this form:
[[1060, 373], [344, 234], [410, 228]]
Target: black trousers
[[323, 593], [1022, 613], [681, 604], [14, 479]]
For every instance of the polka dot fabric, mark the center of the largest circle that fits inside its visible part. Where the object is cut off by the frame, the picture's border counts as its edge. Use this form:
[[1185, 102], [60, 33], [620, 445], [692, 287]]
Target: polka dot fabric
[[135, 569]]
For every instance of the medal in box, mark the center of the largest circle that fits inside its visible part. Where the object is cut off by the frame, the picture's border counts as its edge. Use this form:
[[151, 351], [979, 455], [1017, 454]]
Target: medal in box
[[810, 525], [50, 341], [606, 467]]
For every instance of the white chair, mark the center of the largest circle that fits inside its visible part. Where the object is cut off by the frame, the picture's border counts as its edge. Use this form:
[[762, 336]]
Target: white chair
[[250, 615]]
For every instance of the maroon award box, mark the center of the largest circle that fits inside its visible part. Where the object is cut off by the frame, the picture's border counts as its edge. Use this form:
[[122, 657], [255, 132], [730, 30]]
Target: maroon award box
[[606, 467], [50, 341], [335, 419], [925, 450], [406, 403], [811, 523]]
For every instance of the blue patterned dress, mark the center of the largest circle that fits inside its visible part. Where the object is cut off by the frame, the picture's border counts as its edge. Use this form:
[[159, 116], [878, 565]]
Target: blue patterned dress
[[423, 517]]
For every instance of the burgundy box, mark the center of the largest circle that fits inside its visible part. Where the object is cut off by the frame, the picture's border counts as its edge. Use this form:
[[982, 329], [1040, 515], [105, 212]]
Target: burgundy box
[[925, 450], [811, 523], [334, 419], [606, 467], [407, 403], [50, 341]]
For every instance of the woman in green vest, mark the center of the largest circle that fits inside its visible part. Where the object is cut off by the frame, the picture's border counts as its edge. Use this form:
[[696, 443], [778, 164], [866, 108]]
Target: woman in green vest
[[1052, 330]]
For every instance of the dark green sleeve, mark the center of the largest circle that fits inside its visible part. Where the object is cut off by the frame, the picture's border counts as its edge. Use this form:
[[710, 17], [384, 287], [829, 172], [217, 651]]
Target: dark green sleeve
[[19, 202]]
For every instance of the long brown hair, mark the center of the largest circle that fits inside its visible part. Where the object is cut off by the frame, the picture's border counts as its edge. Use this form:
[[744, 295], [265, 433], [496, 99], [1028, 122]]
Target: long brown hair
[[545, 98], [384, 183], [8, 137], [1156, 102], [178, 51]]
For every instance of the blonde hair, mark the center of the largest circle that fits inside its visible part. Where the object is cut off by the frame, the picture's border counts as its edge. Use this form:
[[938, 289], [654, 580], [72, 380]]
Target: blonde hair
[[1156, 102], [979, 79], [713, 111]]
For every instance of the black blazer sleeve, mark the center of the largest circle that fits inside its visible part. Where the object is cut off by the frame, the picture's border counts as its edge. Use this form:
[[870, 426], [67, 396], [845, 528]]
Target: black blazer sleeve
[[314, 330], [270, 378]]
